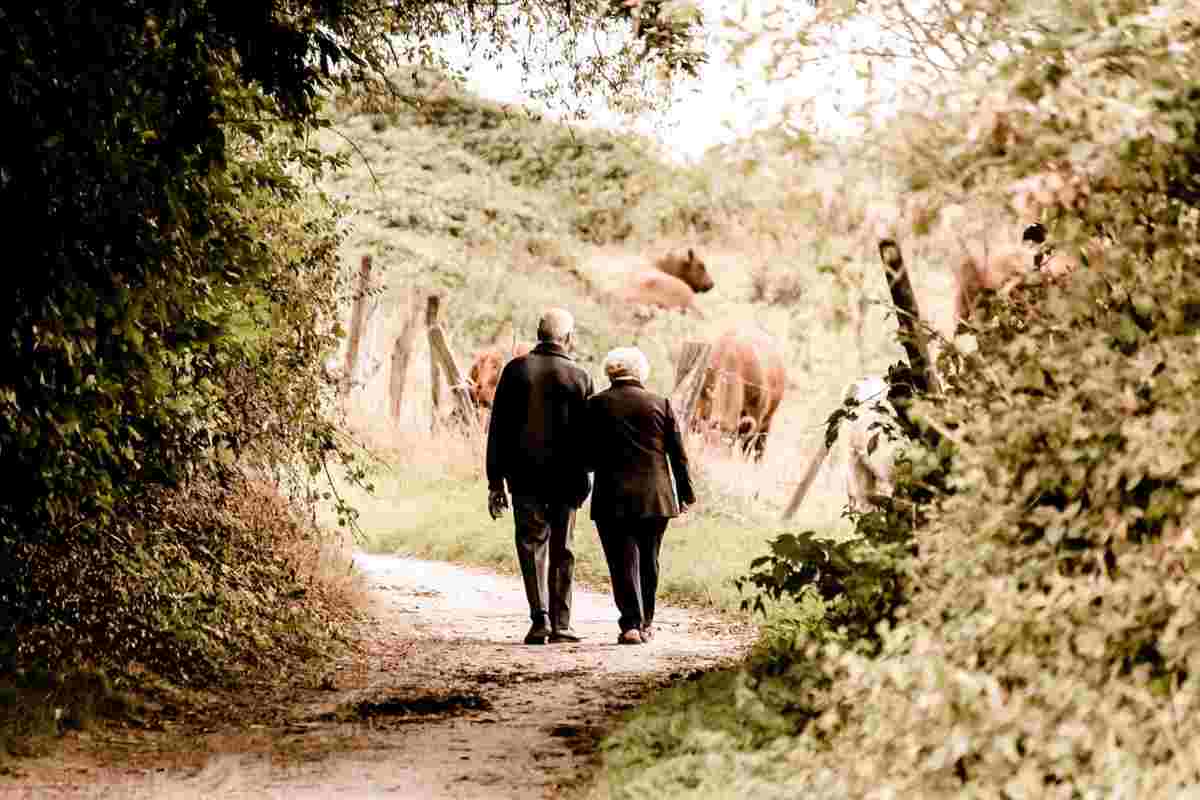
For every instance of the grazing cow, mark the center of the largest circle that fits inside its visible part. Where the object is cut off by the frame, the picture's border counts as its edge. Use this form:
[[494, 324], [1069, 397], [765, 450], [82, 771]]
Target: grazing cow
[[650, 287], [485, 372], [688, 269], [742, 388]]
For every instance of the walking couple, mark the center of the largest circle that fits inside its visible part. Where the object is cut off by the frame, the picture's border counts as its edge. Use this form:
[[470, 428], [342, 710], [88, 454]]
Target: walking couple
[[547, 432]]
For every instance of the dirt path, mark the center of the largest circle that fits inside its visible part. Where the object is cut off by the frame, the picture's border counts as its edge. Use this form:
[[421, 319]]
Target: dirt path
[[443, 701]]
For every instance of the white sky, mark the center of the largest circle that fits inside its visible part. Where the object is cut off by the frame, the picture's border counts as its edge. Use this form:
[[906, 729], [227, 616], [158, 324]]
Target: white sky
[[727, 102]]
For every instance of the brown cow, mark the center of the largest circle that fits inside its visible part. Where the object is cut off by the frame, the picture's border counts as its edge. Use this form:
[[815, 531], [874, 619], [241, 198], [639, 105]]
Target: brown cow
[[743, 387], [485, 372], [688, 269], [650, 287]]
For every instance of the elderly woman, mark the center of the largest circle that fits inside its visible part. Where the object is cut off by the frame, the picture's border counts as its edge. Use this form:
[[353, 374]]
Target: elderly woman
[[641, 482]]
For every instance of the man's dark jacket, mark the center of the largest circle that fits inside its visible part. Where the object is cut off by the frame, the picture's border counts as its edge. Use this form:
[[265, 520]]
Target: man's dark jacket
[[634, 447], [534, 436]]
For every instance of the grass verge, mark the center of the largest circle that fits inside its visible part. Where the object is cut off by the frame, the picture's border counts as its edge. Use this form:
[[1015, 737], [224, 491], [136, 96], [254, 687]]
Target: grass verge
[[445, 518], [430, 501]]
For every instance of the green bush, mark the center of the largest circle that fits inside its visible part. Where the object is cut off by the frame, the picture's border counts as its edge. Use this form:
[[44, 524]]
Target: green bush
[[169, 258], [165, 337], [197, 585]]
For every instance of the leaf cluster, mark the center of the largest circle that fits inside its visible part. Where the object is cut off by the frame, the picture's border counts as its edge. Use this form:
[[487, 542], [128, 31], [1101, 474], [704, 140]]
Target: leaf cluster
[[859, 580]]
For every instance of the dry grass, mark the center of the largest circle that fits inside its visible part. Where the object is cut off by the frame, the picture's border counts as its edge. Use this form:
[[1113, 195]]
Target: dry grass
[[327, 560]]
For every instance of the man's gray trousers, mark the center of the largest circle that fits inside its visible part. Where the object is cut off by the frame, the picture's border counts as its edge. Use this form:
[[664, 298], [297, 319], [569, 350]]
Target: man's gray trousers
[[545, 537]]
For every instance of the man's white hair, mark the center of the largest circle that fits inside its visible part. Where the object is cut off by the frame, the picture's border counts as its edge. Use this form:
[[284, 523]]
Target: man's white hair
[[555, 325], [625, 363]]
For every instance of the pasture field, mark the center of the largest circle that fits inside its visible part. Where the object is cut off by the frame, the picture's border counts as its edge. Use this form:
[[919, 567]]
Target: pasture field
[[450, 198]]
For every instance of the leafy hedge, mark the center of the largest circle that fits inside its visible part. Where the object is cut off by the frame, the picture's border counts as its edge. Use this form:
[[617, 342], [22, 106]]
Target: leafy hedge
[[146, 154], [196, 585], [165, 334]]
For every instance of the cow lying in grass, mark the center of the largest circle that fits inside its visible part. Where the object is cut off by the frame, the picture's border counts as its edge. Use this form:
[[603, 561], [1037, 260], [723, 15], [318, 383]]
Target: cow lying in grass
[[672, 284], [688, 268]]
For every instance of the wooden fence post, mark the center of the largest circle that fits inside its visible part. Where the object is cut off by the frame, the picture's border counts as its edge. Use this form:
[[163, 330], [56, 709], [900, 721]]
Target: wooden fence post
[[402, 354], [432, 309], [459, 390], [912, 331], [689, 378], [358, 317], [810, 473], [441, 358]]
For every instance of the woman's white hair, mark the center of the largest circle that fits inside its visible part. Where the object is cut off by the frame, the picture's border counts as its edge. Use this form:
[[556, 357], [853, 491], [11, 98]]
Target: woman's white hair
[[626, 363]]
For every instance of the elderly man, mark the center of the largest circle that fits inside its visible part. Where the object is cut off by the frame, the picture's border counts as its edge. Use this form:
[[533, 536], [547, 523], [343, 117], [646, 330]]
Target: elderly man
[[642, 481], [533, 446]]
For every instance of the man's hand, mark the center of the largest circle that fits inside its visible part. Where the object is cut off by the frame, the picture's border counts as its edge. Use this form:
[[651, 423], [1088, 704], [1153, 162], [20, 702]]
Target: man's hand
[[497, 502]]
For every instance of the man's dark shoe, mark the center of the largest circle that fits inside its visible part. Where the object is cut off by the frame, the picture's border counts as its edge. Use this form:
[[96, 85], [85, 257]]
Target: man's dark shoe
[[538, 634], [631, 636], [564, 635]]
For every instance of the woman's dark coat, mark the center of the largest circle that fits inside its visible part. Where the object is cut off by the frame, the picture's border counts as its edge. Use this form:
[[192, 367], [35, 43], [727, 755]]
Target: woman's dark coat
[[635, 448]]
